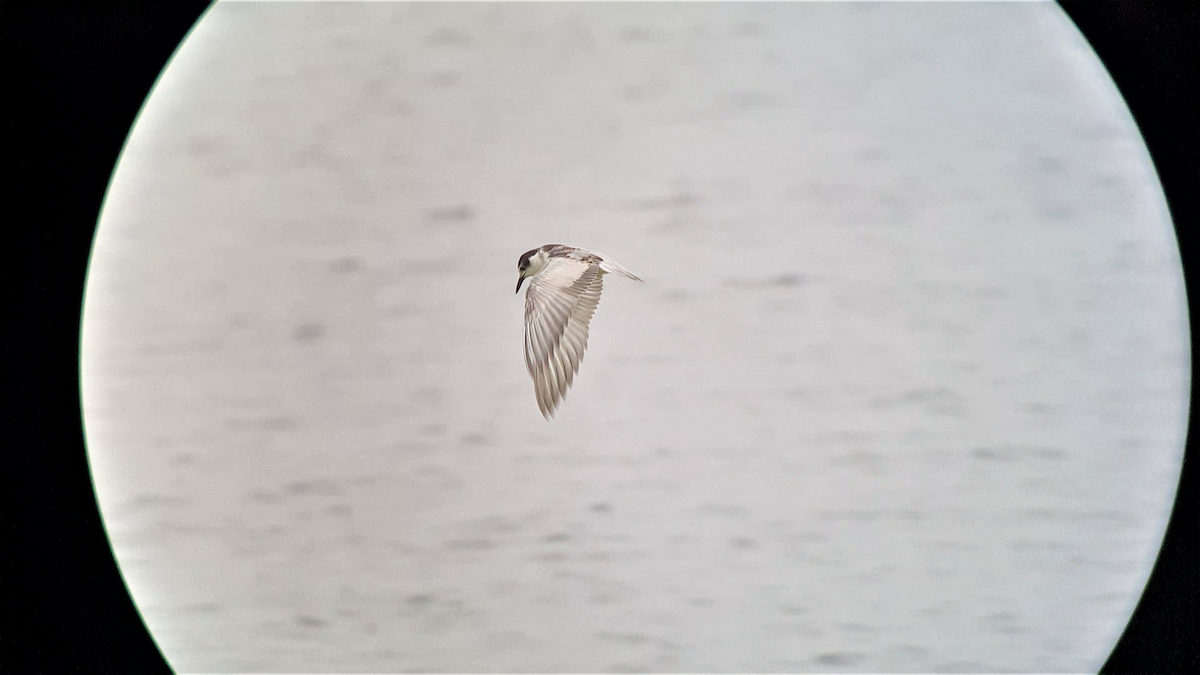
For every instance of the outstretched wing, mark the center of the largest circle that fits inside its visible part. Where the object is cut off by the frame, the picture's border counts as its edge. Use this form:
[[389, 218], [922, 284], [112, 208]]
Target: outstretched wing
[[559, 305]]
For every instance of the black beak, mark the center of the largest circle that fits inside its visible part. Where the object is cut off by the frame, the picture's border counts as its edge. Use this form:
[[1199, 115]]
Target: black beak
[[520, 280]]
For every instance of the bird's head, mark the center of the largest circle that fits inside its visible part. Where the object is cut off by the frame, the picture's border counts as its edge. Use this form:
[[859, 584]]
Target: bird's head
[[530, 263]]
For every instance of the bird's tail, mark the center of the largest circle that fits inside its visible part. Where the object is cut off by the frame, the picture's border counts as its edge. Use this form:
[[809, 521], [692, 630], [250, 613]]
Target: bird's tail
[[616, 268]]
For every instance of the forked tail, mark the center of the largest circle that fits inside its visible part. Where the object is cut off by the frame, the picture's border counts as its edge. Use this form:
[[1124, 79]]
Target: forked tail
[[615, 268]]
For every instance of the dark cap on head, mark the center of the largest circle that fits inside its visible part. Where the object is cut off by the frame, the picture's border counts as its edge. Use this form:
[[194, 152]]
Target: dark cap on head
[[524, 261]]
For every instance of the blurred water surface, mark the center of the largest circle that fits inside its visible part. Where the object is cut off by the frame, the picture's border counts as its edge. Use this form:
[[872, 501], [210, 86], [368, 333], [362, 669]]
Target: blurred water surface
[[905, 388]]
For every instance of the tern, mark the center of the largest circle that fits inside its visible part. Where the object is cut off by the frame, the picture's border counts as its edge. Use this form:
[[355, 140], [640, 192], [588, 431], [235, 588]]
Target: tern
[[564, 290]]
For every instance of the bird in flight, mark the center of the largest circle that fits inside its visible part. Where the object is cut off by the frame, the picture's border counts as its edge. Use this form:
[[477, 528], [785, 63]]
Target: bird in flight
[[564, 290]]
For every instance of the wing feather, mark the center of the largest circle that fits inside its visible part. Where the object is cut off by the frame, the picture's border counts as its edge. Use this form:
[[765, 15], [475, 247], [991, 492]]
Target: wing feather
[[559, 307]]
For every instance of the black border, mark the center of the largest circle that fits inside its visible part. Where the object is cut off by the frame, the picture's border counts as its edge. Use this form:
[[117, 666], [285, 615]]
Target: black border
[[1148, 49], [74, 79], [75, 76]]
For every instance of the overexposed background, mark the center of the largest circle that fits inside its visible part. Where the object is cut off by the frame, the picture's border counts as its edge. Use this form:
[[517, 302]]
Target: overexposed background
[[905, 388]]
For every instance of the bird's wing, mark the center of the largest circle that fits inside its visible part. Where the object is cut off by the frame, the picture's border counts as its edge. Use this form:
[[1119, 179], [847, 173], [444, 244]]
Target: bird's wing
[[559, 304]]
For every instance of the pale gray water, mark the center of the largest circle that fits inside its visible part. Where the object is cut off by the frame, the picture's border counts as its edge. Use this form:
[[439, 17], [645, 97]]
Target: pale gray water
[[904, 390]]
